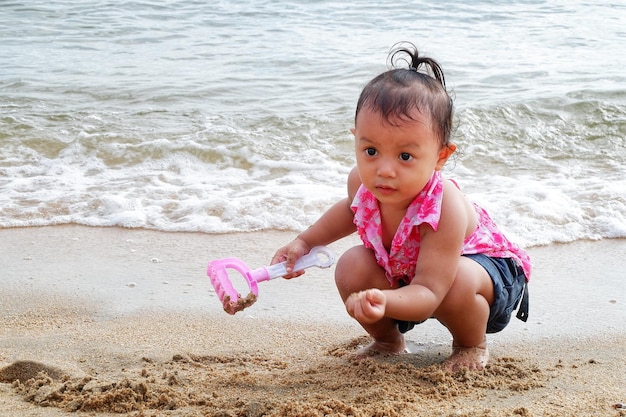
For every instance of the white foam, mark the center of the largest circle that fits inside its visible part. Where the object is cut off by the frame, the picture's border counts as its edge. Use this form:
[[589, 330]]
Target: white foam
[[183, 193]]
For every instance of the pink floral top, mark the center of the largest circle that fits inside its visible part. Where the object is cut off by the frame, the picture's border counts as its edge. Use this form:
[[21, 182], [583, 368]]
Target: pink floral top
[[399, 262]]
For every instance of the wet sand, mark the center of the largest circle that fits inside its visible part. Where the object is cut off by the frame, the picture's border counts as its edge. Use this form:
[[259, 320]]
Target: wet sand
[[107, 321]]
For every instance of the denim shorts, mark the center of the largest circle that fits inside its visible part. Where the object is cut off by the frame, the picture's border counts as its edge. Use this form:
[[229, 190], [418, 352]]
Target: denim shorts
[[509, 290]]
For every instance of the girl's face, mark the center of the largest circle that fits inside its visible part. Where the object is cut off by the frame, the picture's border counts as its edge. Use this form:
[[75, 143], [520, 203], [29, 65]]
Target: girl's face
[[395, 161]]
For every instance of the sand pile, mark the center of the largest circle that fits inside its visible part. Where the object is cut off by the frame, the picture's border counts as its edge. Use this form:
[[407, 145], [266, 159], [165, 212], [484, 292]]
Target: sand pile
[[261, 385]]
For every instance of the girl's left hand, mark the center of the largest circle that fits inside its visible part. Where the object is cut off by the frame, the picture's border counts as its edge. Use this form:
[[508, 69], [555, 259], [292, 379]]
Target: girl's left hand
[[367, 306]]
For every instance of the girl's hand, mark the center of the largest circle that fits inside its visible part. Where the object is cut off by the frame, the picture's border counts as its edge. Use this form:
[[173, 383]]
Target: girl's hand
[[367, 306], [291, 253]]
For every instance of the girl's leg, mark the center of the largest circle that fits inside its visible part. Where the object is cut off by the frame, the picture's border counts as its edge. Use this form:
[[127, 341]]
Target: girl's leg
[[357, 270], [465, 311]]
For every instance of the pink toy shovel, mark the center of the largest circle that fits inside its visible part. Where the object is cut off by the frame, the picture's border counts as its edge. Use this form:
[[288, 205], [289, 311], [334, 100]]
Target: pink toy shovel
[[319, 256]]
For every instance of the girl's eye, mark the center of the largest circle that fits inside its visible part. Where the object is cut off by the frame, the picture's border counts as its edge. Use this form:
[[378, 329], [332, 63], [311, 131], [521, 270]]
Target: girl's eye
[[370, 152], [405, 156]]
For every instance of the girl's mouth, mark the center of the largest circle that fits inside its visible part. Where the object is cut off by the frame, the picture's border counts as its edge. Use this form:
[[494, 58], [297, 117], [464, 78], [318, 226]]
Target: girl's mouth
[[384, 189]]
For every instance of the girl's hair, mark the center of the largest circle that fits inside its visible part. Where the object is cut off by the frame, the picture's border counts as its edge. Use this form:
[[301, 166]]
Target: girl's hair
[[398, 92]]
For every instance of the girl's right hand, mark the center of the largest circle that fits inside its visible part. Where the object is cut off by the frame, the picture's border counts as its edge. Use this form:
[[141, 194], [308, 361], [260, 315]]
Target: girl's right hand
[[291, 253]]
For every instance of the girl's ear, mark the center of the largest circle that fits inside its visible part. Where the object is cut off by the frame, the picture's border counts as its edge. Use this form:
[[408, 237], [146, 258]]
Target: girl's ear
[[444, 154], [352, 130]]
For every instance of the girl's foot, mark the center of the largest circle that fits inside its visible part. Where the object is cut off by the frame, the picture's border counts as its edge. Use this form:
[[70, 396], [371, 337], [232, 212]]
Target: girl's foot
[[381, 349], [472, 358]]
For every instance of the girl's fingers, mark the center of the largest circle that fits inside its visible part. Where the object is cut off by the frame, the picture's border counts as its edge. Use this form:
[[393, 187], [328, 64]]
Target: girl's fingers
[[366, 306]]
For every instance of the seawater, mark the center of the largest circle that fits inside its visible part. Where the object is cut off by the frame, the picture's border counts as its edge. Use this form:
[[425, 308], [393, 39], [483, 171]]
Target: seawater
[[234, 115]]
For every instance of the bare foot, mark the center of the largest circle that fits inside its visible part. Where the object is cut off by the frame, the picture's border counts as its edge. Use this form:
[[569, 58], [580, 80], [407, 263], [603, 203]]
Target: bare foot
[[472, 358], [381, 349]]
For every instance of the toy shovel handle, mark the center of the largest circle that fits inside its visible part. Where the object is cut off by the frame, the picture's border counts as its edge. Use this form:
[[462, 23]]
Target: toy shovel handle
[[319, 256]]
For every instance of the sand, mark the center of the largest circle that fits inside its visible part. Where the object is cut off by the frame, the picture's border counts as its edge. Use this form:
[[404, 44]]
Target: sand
[[108, 321]]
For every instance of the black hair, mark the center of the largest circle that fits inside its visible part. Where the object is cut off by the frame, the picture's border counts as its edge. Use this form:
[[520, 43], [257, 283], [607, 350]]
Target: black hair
[[398, 92]]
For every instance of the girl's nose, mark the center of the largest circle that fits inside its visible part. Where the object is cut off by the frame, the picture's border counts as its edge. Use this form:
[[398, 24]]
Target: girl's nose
[[386, 168]]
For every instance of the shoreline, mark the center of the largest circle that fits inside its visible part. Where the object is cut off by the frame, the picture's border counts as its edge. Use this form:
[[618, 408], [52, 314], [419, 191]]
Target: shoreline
[[112, 304]]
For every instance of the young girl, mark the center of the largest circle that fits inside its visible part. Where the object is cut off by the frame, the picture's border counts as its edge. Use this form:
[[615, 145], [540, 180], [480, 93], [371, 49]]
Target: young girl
[[427, 250]]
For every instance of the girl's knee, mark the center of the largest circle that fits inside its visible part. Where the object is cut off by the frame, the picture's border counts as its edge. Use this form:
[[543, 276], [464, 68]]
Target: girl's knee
[[357, 270], [453, 303], [466, 293]]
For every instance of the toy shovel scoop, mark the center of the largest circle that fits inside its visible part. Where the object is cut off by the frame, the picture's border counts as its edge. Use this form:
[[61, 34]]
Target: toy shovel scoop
[[319, 256]]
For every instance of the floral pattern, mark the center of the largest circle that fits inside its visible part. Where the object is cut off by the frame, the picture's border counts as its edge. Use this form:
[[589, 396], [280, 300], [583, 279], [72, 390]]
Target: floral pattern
[[399, 263]]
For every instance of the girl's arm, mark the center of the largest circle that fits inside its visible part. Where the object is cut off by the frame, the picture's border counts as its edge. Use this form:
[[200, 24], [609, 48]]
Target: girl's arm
[[334, 224]]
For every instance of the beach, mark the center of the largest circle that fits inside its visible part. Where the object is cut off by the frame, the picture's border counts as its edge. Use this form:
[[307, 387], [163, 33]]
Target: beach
[[110, 321], [140, 140]]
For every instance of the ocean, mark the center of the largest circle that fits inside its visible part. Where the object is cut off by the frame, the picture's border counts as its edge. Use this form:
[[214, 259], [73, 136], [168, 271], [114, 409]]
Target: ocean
[[235, 116]]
